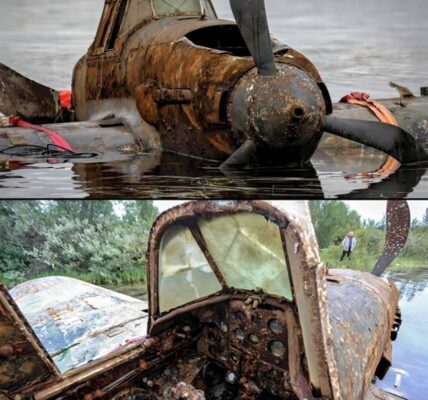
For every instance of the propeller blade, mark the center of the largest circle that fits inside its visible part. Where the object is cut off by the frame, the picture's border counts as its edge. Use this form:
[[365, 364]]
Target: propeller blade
[[241, 157], [397, 231], [22, 96], [251, 18], [390, 139]]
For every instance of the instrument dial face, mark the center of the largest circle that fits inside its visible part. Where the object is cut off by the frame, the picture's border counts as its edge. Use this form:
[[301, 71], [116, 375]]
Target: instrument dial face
[[276, 326], [277, 349]]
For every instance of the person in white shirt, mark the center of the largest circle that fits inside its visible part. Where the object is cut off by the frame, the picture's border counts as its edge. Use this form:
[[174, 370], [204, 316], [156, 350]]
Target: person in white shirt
[[348, 245]]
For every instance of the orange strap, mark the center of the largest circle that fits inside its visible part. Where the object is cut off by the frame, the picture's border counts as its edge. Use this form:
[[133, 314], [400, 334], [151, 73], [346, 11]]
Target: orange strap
[[65, 99], [382, 114]]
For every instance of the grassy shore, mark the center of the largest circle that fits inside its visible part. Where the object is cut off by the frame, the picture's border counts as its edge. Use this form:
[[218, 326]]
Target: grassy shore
[[360, 260], [132, 278]]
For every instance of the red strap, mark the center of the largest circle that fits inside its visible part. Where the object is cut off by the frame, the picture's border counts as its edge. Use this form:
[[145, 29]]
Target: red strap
[[56, 138], [65, 99]]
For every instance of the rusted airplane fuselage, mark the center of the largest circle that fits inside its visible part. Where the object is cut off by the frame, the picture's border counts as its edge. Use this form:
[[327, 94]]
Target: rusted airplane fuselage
[[175, 77], [193, 78], [257, 317]]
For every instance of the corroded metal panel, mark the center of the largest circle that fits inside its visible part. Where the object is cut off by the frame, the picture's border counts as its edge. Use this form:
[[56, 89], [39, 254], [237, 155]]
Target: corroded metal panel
[[361, 309], [328, 339], [23, 360], [397, 232], [303, 261], [78, 322], [22, 96], [157, 57]]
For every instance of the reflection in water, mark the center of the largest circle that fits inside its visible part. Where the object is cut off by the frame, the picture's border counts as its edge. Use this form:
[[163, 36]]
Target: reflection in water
[[410, 351], [50, 38], [410, 283], [170, 176]]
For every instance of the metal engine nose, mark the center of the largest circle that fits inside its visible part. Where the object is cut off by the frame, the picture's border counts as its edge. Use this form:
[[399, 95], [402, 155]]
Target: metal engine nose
[[282, 113]]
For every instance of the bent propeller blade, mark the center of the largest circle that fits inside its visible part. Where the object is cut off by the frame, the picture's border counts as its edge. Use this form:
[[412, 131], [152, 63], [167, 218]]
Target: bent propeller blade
[[390, 139], [251, 18], [397, 231], [22, 96], [241, 157]]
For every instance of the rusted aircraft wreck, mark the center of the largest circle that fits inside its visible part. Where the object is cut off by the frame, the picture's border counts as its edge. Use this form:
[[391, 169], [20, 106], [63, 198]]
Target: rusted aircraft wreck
[[240, 307], [172, 75]]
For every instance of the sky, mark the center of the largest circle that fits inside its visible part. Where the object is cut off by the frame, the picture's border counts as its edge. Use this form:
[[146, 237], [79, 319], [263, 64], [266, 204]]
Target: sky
[[368, 209]]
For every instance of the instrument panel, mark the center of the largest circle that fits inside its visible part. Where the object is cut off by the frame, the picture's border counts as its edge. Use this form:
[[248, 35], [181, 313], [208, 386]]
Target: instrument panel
[[259, 331], [249, 340]]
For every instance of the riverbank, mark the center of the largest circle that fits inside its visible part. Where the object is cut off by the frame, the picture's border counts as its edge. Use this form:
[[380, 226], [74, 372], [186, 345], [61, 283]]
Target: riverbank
[[361, 260], [132, 278]]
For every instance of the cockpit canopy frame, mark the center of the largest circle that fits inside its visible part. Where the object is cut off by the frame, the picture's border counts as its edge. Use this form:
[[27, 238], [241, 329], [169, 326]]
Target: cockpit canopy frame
[[122, 17], [307, 273]]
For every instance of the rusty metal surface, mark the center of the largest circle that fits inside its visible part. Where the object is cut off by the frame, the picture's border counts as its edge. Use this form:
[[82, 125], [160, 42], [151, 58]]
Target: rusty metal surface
[[412, 118], [362, 310], [169, 71], [281, 113], [23, 360], [295, 214], [201, 127], [22, 96], [329, 339], [184, 391], [78, 322], [153, 59], [397, 231], [327, 342], [111, 140], [173, 96], [303, 260]]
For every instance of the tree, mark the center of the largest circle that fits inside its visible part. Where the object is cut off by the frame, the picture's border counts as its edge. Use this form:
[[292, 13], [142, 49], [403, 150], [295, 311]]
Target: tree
[[332, 220], [139, 212], [20, 223], [87, 239], [93, 211], [425, 218]]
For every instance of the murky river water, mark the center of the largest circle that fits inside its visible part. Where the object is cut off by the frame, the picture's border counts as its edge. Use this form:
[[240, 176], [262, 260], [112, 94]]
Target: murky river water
[[356, 46], [410, 350]]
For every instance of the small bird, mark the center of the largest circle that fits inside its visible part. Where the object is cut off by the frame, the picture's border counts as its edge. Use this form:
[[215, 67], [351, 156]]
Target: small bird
[[405, 93]]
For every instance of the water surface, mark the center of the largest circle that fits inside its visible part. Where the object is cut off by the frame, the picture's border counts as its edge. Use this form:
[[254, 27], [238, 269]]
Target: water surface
[[410, 351], [355, 45]]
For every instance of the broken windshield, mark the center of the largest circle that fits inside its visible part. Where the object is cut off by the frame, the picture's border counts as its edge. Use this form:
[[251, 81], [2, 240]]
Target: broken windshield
[[183, 7], [184, 272], [248, 250], [246, 247]]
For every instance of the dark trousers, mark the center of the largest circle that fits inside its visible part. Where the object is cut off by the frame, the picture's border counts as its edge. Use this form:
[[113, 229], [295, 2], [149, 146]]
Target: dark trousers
[[346, 253]]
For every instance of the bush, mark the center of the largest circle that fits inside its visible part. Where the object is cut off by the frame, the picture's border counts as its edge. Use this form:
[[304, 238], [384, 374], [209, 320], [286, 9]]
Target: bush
[[90, 242]]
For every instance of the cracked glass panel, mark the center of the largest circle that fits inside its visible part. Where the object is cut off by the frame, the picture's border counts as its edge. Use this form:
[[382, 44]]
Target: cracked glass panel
[[184, 272], [249, 253], [186, 7]]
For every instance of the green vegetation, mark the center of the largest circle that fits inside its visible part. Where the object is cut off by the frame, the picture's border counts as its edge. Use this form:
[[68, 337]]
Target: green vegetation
[[333, 220], [102, 242]]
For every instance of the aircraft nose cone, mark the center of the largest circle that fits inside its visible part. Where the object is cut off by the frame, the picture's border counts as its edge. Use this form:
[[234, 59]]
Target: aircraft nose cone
[[281, 113]]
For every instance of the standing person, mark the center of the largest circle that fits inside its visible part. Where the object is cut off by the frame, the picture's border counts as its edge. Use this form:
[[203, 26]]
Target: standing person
[[348, 245]]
